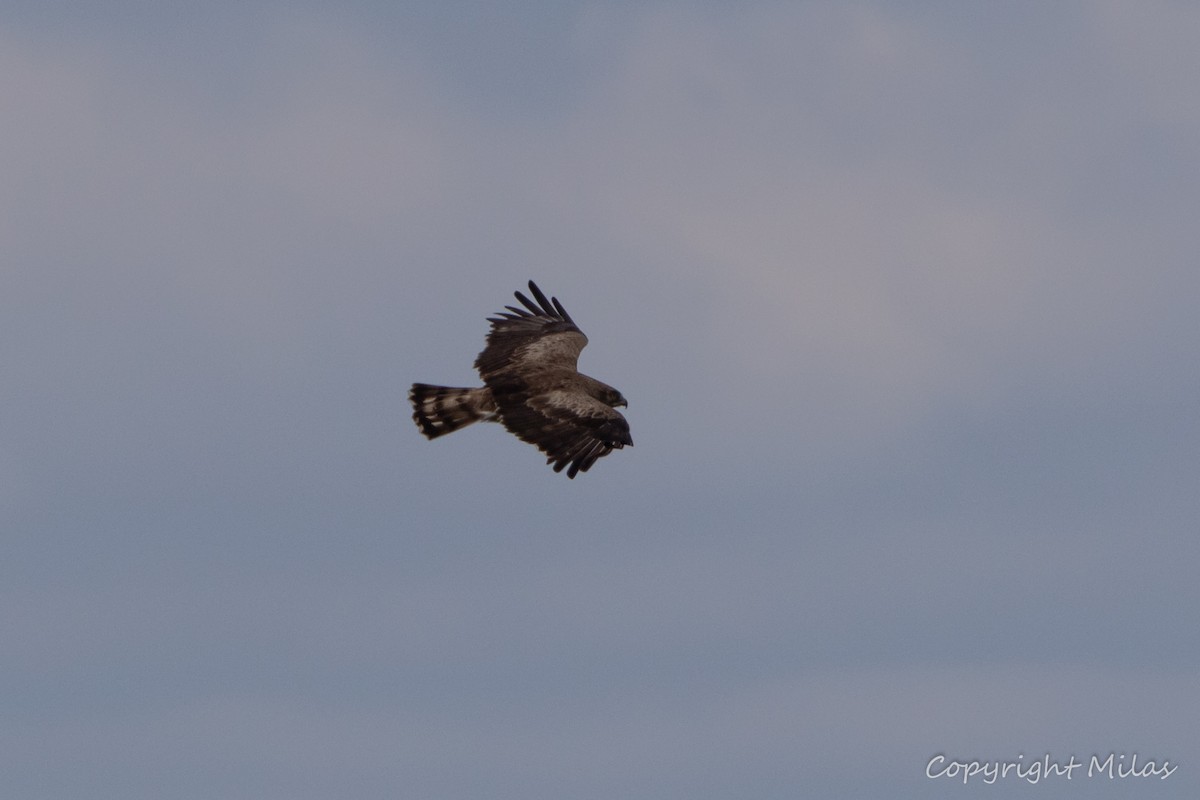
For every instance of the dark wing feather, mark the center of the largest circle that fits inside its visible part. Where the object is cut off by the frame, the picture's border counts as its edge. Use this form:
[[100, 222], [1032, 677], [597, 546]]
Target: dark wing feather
[[542, 336], [570, 428]]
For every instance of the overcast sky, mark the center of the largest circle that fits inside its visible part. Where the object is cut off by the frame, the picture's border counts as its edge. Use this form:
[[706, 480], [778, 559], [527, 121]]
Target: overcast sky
[[903, 297]]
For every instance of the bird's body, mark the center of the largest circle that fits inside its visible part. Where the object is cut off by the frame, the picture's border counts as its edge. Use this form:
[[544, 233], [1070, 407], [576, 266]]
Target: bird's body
[[532, 386]]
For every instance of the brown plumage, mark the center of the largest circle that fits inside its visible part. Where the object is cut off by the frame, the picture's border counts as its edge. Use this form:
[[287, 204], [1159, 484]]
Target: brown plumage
[[532, 386]]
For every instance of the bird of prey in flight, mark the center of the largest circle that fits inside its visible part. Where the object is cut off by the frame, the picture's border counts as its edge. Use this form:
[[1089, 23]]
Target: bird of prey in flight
[[532, 387]]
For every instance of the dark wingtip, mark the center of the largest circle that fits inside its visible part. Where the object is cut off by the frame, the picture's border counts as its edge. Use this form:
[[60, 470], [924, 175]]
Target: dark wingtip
[[525, 301], [549, 306], [562, 312]]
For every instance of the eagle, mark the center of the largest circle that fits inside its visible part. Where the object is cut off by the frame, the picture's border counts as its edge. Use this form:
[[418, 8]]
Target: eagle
[[531, 386]]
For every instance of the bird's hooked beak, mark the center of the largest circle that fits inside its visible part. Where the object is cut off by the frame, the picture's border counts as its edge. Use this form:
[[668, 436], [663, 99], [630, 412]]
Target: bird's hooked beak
[[622, 403]]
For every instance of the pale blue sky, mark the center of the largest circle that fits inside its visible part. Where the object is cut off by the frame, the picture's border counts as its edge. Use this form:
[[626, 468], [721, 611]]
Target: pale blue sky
[[902, 297]]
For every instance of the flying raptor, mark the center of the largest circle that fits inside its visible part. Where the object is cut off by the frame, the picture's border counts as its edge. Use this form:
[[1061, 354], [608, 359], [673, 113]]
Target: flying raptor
[[533, 388]]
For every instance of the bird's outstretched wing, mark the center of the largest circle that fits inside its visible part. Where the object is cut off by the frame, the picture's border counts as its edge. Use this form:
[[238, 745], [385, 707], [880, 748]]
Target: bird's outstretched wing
[[540, 337], [571, 428]]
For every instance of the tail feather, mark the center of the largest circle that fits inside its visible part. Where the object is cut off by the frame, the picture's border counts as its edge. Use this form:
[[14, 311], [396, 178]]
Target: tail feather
[[439, 410]]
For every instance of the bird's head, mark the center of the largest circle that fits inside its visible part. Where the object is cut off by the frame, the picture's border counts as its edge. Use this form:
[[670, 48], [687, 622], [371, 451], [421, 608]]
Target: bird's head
[[609, 396]]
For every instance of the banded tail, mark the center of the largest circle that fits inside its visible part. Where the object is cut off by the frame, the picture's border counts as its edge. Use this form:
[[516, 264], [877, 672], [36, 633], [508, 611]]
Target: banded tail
[[439, 410]]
